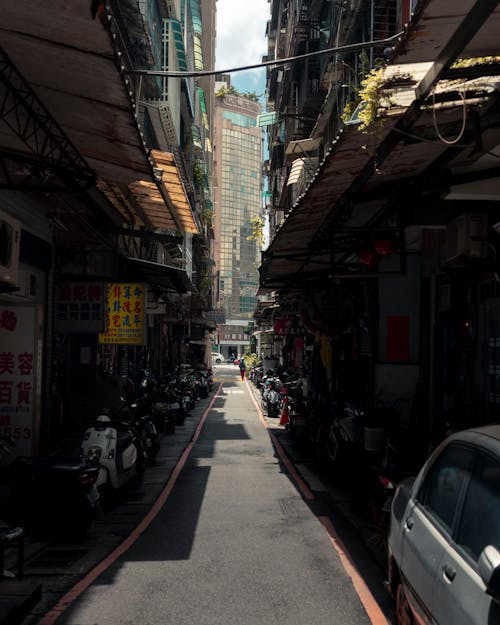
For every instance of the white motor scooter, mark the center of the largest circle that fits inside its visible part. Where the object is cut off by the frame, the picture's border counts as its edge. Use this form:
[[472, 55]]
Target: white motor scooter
[[114, 447]]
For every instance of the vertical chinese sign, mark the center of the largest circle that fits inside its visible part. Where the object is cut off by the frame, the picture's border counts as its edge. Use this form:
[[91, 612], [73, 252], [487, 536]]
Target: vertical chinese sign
[[18, 372], [126, 316]]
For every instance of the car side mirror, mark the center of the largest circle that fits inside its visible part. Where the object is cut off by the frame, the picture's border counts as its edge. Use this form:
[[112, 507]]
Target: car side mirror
[[489, 570]]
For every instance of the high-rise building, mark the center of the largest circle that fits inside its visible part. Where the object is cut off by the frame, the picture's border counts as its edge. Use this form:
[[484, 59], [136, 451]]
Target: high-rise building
[[237, 195]]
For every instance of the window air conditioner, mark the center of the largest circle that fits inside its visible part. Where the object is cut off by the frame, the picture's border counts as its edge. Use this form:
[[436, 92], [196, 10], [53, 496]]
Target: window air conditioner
[[466, 236], [10, 237]]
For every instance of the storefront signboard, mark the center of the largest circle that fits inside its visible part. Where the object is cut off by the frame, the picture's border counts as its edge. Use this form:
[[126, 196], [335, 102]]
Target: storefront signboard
[[80, 307], [19, 365], [126, 317]]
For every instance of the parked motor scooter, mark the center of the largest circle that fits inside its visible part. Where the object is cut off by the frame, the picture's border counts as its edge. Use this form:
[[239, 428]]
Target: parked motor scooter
[[138, 415], [49, 495], [114, 447], [340, 433], [293, 398], [271, 398]]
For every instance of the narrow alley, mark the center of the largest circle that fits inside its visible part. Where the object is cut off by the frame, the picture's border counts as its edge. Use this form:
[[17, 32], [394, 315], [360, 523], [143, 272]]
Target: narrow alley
[[239, 540]]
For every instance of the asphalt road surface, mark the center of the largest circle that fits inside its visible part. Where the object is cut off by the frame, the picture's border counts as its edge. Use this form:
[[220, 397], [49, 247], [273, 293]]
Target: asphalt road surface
[[235, 542]]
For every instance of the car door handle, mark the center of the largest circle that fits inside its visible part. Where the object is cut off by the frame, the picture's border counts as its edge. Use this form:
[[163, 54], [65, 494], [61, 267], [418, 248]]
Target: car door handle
[[449, 572], [409, 523]]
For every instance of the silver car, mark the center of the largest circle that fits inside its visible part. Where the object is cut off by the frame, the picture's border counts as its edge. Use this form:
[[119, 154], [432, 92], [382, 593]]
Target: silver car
[[444, 538]]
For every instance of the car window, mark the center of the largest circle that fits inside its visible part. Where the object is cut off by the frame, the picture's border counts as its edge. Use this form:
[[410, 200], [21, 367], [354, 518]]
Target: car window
[[444, 483], [480, 522]]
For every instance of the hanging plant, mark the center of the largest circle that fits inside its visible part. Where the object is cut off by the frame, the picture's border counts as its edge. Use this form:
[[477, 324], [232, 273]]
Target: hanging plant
[[369, 95], [478, 60], [257, 230], [348, 112], [206, 215], [198, 175]]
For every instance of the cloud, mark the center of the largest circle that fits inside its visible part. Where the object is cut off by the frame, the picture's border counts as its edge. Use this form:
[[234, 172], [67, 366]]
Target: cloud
[[241, 32]]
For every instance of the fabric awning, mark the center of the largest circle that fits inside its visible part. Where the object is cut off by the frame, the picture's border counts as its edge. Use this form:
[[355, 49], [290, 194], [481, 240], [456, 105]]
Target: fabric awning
[[295, 171], [302, 145]]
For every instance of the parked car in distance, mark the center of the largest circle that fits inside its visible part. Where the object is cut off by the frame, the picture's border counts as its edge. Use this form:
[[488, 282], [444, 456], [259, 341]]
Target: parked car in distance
[[218, 358], [444, 537]]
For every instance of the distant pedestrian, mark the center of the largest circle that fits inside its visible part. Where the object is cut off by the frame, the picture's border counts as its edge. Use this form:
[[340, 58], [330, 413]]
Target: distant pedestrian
[[242, 368]]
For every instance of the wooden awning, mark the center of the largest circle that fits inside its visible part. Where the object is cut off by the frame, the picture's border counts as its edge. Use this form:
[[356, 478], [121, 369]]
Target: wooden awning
[[174, 187], [159, 205]]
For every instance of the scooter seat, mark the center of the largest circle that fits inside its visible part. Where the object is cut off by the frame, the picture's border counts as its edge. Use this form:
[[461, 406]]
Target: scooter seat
[[67, 465], [123, 440]]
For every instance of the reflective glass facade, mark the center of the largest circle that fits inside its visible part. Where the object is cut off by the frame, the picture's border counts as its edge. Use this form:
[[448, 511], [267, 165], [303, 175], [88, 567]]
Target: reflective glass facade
[[239, 162]]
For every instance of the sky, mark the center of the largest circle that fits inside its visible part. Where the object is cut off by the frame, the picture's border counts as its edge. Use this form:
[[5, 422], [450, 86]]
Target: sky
[[241, 40]]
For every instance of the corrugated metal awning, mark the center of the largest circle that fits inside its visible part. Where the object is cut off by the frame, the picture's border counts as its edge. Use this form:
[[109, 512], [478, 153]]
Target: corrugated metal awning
[[165, 276], [83, 87], [71, 63], [360, 167]]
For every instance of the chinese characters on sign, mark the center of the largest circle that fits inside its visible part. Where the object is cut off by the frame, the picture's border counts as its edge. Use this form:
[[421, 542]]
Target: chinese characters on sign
[[125, 314], [80, 307], [17, 374]]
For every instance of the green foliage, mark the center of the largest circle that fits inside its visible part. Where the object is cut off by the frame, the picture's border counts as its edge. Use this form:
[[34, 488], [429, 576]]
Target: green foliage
[[369, 94], [257, 230], [198, 175], [251, 360], [349, 109], [478, 60], [224, 91], [249, 95], [207, 215]]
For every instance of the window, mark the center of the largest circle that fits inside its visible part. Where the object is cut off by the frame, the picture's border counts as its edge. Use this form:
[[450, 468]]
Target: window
[[480, 523], [443, 486]]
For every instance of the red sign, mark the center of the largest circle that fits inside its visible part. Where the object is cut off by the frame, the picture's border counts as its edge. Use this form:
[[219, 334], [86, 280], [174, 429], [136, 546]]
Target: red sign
[[398, 338], [18, 364]]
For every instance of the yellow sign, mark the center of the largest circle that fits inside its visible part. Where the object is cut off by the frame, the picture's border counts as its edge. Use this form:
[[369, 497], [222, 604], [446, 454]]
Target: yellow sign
[[126, 316]]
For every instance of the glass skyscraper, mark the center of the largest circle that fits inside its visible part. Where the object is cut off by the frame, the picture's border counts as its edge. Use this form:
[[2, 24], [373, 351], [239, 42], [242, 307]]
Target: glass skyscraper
[[238, 170]]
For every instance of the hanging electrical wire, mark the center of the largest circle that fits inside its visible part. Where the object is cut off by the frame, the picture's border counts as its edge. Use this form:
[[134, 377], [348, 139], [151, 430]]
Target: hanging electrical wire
[[464, 121], [277, 62]]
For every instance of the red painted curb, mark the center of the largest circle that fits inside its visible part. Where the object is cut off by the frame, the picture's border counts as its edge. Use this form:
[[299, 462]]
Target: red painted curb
[[66, 600]]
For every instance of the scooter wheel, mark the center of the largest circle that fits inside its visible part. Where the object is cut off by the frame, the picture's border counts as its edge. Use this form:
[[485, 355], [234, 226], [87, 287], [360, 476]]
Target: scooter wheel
[[327, 448]]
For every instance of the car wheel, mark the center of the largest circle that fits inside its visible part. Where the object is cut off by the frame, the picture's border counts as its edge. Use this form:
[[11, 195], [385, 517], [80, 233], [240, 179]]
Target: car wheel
[[403, 611], [217, 360]]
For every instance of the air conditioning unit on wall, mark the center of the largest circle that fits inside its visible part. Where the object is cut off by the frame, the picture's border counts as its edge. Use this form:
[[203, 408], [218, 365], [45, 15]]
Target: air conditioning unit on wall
[[467, 237], [10, 237]]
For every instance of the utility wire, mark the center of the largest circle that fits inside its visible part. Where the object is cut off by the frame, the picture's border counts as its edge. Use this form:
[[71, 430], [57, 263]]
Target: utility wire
[[339, 49]]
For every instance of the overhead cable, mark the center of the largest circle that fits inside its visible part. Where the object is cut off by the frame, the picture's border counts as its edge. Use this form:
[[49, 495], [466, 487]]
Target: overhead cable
[[277, 62]]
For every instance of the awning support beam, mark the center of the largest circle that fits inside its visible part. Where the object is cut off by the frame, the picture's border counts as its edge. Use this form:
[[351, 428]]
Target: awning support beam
[[465, 32], [26, 116]]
